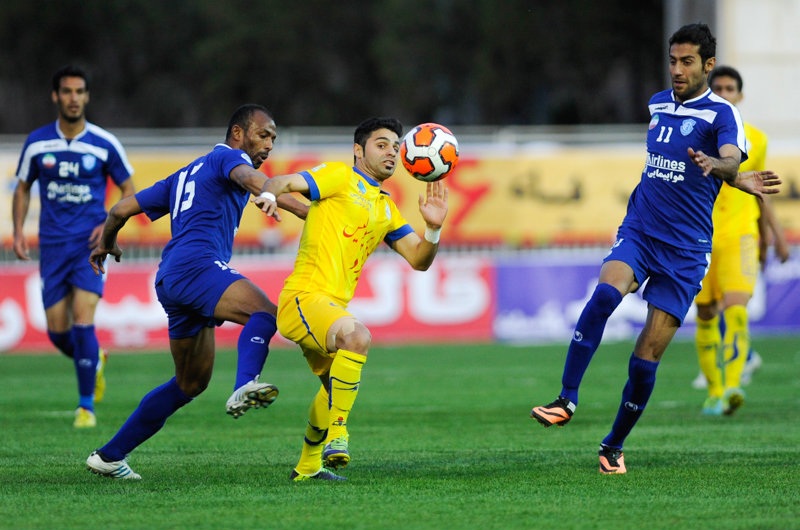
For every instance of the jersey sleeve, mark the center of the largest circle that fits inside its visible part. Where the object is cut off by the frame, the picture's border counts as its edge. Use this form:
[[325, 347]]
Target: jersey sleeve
[[230, 159], [731, 131], [399, 227], [155, 200], [327, 179], [118, 167], [27, 171]]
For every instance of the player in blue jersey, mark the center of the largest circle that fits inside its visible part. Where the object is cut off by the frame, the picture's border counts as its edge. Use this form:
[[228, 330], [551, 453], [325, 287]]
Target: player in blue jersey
[[71, 159], [695, 142], [196, 286]]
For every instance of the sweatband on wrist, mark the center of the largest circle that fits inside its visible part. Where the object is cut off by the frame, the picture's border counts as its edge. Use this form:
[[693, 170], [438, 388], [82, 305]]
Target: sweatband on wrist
[[269, 196], [431, 235]]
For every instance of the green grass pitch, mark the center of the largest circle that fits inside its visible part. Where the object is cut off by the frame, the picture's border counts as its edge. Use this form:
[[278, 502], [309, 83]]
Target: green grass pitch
[[441, 438]]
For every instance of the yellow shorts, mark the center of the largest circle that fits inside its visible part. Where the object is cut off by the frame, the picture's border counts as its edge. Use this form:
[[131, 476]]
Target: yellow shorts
[[734, 268], [305, 318]]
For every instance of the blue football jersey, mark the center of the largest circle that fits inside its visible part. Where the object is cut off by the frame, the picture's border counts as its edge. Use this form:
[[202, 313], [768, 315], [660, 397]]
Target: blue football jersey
[[673, 200], [204, 205], [72, 177]]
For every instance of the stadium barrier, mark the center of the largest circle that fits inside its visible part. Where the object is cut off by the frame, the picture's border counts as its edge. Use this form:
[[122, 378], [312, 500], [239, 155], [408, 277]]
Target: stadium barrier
[[526, 297]]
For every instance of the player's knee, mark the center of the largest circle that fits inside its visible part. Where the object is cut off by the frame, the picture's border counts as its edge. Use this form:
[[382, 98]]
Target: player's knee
[[706, 312], [194, 386], [357, 339]]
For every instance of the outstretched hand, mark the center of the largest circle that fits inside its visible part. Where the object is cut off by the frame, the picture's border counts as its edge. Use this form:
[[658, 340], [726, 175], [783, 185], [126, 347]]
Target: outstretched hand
[[433, 206], [758, 183]]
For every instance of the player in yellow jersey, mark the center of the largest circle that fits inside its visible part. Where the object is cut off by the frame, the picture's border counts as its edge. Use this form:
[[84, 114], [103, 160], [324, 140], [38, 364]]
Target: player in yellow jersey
[[742, 226], [350, 214]]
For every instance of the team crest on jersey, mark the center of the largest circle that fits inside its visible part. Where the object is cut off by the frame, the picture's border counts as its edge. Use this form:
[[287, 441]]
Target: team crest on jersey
[[653, 122], [687, 126], [362, 188], [388, 212], [49, 160], [88, 162]]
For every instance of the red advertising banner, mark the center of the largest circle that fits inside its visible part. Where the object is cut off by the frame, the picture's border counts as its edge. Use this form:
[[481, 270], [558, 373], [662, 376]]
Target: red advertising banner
[[453, 301]]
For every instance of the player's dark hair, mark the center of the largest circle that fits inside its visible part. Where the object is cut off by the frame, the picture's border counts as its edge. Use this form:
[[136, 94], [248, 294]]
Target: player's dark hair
[[699, 34], [244, 115], [368, 126], [69, 70], [726, 71]]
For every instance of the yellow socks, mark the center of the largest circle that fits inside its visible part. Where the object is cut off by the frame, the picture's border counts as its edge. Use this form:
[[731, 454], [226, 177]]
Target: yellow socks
[[707, 340], [345, 378], [311, 455], [735, 345]]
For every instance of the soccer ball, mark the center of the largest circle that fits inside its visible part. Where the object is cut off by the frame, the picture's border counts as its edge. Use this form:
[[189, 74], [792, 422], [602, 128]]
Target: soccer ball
[[429, 152]]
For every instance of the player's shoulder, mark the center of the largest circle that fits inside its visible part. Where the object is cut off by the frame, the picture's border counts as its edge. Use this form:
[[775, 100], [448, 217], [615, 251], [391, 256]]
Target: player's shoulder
[[44, 133], [226, 153], [665, 96], [330, 169], [718, 103], [99, 136]]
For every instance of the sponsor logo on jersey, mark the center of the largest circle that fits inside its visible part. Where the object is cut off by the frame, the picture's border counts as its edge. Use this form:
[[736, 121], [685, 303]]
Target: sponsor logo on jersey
[[664, 168]]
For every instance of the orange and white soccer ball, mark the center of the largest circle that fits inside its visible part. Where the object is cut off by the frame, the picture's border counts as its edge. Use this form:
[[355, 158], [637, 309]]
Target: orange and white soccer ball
[[429, 152]]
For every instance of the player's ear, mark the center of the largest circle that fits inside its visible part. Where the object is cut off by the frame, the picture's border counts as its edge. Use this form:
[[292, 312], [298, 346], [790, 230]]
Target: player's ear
[[236, 133], [358, 151], [711, 62]]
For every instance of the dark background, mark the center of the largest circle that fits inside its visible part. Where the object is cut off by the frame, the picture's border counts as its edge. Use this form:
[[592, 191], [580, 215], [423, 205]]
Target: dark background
[[183, 63]]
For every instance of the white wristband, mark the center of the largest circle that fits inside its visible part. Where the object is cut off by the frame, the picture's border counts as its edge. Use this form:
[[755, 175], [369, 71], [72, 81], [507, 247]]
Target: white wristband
[[269, 196], [431, 235]]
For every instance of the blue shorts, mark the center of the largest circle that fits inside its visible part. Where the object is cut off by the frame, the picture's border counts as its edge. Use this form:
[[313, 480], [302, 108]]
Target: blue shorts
[[190, 294], [63, 266], [673, 275]]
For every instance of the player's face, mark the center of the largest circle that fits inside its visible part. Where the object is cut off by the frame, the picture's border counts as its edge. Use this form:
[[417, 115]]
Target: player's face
[[259, 138], [688, 71], [726, 87], [71, 99], [379, 157]]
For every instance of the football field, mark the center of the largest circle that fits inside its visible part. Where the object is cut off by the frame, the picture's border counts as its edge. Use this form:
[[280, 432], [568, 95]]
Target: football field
[[440, 438]]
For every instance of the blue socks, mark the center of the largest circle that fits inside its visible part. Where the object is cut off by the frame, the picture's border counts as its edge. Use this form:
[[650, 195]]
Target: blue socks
[[85, 357], [586, 339], [148, 418], [641, 380], [63, 341], [253, 347]]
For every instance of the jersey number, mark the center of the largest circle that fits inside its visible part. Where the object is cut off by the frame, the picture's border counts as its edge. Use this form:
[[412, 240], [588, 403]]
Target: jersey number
[[661, 135], [184, 195], [65, 169]]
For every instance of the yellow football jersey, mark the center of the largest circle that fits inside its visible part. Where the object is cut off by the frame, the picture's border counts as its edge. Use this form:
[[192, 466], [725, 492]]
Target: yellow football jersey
[[736, 212], [348, 218]]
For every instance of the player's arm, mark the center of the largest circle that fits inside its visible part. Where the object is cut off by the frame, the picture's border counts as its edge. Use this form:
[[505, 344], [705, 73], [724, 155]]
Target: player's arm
[[119, 214], [772, 231], [20, 203], [725, 167], [419, 252], [127, 189], [272, 193], [254, 182]]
